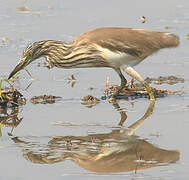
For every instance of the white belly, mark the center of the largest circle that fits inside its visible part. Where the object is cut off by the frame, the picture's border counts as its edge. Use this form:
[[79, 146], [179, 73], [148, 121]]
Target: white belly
[[119, 59]]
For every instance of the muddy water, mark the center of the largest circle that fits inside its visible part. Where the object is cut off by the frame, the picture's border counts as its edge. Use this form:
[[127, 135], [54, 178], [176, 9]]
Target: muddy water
[[69, 140]]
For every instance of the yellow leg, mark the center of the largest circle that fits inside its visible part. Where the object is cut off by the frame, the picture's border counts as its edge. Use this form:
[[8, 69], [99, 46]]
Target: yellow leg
[[130, 71], [123, 83], [150, 91]]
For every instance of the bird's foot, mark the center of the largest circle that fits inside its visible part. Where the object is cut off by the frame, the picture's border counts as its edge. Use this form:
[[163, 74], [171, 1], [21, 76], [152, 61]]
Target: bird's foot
[[110, 98], [114, 96], [150, 91]]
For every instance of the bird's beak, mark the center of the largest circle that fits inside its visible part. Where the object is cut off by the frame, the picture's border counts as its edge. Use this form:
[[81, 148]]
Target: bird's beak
[[19, 67]]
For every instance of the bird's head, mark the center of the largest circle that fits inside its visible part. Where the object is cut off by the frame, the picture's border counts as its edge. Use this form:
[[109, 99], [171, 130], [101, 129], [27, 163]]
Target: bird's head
[[31, 53]]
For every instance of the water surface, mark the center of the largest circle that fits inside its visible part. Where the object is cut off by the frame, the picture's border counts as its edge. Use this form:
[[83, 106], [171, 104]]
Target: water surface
[[69, 140]]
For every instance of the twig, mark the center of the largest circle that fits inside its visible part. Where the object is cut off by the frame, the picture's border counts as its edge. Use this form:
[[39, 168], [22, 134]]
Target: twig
[[28, 73]]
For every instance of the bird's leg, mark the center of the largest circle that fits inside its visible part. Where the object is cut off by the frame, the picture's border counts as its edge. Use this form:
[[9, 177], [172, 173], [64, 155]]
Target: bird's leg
[[123, 83], [130, 71]]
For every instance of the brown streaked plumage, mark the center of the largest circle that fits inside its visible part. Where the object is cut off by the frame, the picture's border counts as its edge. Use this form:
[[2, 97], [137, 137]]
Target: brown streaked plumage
[[118, 48]]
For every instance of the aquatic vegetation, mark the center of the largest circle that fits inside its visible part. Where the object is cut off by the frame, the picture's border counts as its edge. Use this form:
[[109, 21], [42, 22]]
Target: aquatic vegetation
[[9, 96]]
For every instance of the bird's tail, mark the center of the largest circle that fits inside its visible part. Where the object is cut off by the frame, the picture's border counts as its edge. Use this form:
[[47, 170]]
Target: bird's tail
[[170, 40]]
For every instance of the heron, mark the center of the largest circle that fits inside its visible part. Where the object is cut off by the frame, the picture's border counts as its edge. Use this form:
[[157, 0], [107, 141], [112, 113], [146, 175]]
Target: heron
[[113, 47]]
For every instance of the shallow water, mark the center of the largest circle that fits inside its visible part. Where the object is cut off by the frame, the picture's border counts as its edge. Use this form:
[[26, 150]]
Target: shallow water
[[69, 140]]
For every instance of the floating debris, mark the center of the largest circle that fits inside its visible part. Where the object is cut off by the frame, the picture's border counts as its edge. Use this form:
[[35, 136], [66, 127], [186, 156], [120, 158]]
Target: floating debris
[[171, 80], [143, 19], [162, 80], [89, 100], [45, 99], [23, 9], [72, 80], [91, 88], [136, 90], [168, 27], [11, 97]]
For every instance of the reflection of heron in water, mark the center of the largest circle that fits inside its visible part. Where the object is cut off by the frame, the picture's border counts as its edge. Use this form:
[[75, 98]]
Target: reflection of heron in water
[[118, 151]]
